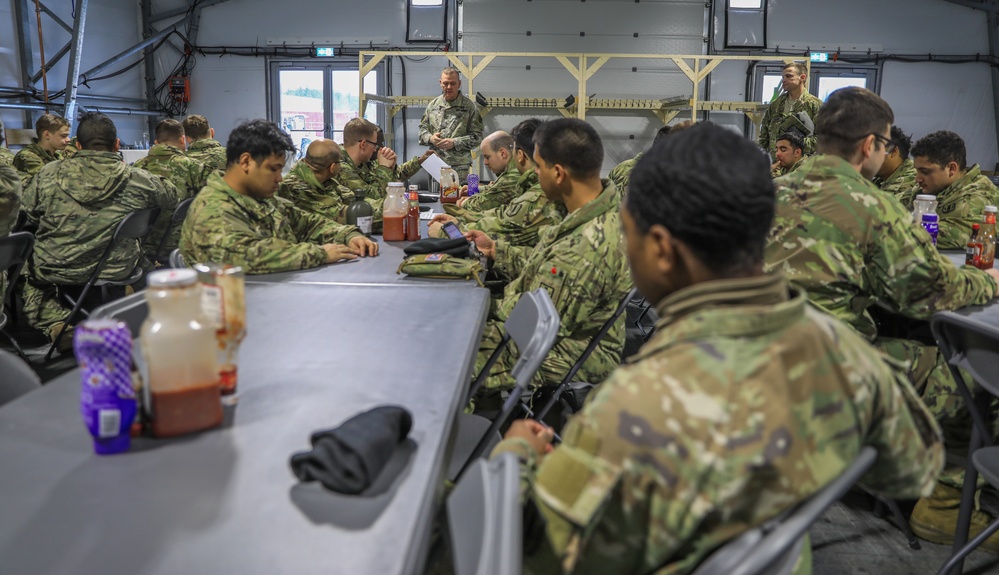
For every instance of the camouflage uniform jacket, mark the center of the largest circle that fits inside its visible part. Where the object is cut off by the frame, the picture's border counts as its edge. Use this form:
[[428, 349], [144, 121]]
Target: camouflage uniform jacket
[[10, 199], [775, 116], [782, 171], [850, 245], [582, 264], [302, 188], [959, 205], [261, 236], [208, 152], [458, 119], [621, 175], [900, 181], [6, 157], [745, 402], [407, 170], [77, 204], [372, 179], [31, 158], [518, 223], [497, 194]]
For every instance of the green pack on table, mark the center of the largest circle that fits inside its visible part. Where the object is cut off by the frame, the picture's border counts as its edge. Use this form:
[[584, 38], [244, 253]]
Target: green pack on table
[[441, 266]]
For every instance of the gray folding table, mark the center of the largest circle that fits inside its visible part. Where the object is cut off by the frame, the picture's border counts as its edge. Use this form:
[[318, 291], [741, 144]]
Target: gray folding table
[[225, 501]]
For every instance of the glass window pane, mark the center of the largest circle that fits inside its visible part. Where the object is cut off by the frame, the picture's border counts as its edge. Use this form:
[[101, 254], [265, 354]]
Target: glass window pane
[[771, 87], [830, 84], [750, 4], [345, 99], [302, 114]]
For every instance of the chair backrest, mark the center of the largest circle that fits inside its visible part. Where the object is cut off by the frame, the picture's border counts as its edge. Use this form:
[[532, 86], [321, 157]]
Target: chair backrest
[[533, 326], [19, 136], [771, 548], [179, 214], [131, 309], [485, 518], [134, 226], [177, 259], [969, 344], [15, 249], [16, 377]]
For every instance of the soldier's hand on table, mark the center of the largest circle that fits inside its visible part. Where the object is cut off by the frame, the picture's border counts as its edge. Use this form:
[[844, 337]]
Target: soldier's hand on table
[[461, 201], [444, 218], [484, 243], [337, 252], [435, 225], [539, 436], [995, 276], [363, 246]]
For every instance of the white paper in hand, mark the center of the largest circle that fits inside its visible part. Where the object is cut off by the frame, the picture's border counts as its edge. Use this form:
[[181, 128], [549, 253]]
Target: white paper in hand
[[433, 166]]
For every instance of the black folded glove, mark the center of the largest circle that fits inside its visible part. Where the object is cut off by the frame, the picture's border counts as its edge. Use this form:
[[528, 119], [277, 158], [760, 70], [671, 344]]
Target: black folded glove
[[457, 247], [347, 459]]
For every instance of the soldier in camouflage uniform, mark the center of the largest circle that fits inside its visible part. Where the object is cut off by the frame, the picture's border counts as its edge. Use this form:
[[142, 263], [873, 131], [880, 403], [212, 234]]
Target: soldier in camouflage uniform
[[497, 154], [851, 246], [10, 204], [237, 220], [53, 137], [621, 173], [962, 192], [897, 175], [76, 204], [167, 159], [403, 171], [519, 222], [201, 145], [359, 149], [790, 153], [580, 262], [785, 109], [452, 125], [745, 402], [6, 156]]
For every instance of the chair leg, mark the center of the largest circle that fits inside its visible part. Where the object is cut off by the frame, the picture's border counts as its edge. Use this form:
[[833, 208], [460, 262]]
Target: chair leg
[[967, 501], [958, 558], [17, 346], [903, 524]]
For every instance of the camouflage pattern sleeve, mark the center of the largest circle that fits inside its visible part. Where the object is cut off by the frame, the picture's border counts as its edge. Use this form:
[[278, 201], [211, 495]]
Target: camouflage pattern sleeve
[[7, 158], [10, 198], [907, 197], [519, 223], [310, 227], [373, 181], [472, 137], [408, 169], [961, 205], [621, 175], [426, 129], [224, 227], [29, 160], [302, 188], [901, 180], [496, 194]]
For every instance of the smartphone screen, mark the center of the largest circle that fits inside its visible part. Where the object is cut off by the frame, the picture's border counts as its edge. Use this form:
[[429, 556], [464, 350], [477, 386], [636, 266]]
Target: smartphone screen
[[452, 231]]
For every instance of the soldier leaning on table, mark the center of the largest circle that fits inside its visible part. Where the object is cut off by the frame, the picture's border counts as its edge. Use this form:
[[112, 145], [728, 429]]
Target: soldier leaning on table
[[237, 220]]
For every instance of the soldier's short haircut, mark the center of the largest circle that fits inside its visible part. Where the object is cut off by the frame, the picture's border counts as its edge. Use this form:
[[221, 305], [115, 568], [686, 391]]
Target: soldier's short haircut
[[196, 127], [711, 188], [96, 132], [358, 129], [799, 68], [169, 131], [259, 138], [796, 141], [572, 143], [848, 116], [50, 123], [902, 141], [942, 148], [323, 161], [497, 141], [451, 71], [523, 135]]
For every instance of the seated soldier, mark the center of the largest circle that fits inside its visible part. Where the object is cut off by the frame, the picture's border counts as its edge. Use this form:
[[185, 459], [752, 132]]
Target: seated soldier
[[497, 154], [358, 149], [745, 402], [10, 205], [622, 172], [6, 156], [851, 246], [237, 220], [790, 151], [520, 221], [581, 261], [201, 144], [962, 192], [167, 159], [308, 183], [897, 175], [402, 171], [95, 190], [53, 137]]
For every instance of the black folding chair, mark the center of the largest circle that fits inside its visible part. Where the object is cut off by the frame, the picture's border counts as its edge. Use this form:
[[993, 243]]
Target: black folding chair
[[177, 259], [564, 386], [533, 326], [15, 249], [16, 377], [176, 220], [772, 548], [134, 226], [972, 345]]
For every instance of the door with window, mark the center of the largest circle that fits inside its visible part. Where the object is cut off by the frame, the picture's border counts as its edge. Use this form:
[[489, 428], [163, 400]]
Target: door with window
[[316, 101]]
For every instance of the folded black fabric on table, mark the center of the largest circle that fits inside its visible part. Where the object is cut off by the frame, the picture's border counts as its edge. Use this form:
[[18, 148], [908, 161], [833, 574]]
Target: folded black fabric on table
[[347, 459], [457, 247]]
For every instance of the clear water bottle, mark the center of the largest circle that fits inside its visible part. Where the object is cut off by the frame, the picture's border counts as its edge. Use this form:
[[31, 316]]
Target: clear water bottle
[[145, 140], [923, 204]]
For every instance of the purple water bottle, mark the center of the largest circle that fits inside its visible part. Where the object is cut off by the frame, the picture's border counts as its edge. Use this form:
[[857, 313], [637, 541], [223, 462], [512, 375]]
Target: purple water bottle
[[103, 350], [931, 223], [473, 184]]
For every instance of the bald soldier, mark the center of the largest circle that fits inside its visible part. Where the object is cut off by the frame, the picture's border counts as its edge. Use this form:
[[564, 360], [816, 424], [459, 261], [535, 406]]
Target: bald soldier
[[308, 184], [497, 154], [745, 402], [237, 220]]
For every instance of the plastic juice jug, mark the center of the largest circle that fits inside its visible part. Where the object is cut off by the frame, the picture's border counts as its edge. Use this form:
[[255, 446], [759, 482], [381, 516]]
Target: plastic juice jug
[[450, 186], [394, 211]]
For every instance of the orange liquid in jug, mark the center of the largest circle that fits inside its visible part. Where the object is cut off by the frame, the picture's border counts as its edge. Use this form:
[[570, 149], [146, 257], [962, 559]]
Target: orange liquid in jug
[[186, 410], [393, 228]]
